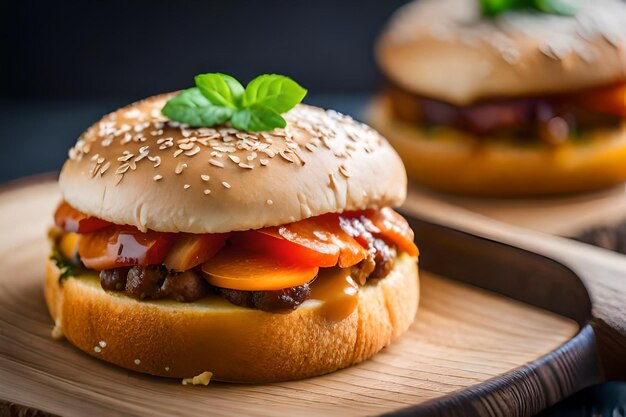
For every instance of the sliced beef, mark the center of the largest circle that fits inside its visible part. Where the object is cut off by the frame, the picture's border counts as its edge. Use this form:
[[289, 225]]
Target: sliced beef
[[154, 282], [145, 281], [285, 299], [384, 258], [114, 279], [185, 287], [552, 118], [377, 265]]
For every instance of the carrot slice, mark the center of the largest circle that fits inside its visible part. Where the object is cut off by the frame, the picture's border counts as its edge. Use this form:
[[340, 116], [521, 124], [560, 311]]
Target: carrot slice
[[238, 269], [192, 250]]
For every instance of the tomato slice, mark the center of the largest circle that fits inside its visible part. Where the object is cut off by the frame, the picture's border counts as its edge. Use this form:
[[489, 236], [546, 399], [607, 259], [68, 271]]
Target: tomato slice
[[318, 241], [395, 228], [72, 220], [606, 100], [386, 223], [238, 269], [328, 228], [116, 247], [270, 243], [192, 250]]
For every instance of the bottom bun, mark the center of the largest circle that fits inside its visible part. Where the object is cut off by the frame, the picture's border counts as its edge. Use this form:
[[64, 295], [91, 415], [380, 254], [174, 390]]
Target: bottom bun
[[451, 160], [236, 344]]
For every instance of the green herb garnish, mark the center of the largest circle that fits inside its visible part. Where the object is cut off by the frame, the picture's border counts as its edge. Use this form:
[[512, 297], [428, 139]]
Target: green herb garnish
[[563, 7], [66, 267], [219, 98]]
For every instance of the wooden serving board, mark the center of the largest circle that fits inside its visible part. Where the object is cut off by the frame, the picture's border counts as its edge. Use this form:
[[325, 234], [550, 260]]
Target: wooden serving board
[[566, 215], [469, 352]]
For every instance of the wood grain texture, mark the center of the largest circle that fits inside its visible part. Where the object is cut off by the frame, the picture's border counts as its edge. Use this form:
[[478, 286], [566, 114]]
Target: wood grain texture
[[467, 350], [567, 215], [601, 272]]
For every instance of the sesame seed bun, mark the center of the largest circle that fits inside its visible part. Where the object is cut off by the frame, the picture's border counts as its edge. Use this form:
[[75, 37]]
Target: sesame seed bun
[[455, 161], [134, 167], [444, 49], [172, 339]]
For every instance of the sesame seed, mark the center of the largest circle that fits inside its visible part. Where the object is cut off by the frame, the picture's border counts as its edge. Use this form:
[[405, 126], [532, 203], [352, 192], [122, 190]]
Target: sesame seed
[[167, 369], [187, 186], [102, 343], [178, 152], [246, 166], [216, 163], [157, 177], [122, 169], [285, 156], [331, 181], [156, 160], [100, 160], [105, 168], [186, 146], [180, 168], [205, 177], [137, 361], [207, 191], [97, 349], [225, 184], [193, 151], [269, 202], [234, 158], [263, 162]]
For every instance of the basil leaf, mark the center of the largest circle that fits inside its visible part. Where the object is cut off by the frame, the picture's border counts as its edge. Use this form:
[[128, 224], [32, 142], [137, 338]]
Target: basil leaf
[[257, 118], [221, 89], [66, 268], [194, 109], [495, 7], [218, 98], [274, 92], [563, 7], [491, 8]]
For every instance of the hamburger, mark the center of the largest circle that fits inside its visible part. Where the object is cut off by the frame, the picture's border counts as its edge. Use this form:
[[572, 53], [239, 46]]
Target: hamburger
[[524, 103], [253, 256]]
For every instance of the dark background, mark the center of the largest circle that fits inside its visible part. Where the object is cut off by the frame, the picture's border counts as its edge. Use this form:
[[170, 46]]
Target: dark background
[[66, 63], [63, 64], [134, 48]]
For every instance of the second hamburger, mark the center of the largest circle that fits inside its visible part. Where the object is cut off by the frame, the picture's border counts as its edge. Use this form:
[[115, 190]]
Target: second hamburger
[[518, 104]]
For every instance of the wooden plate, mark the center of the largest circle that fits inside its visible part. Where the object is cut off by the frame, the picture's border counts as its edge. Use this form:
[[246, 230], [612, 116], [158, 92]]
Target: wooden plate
[[469, 352]]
